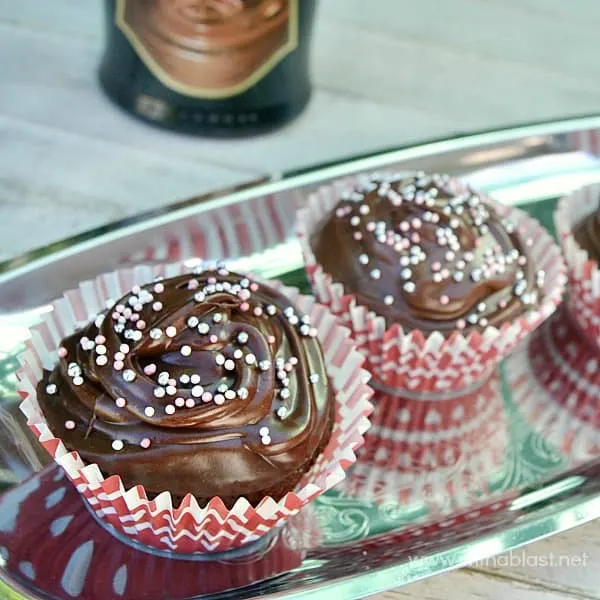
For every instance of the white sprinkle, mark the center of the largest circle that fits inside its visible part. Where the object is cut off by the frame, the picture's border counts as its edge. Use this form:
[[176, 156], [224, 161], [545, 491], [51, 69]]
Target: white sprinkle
[[51, 389], [264, 365], [195, 378], [282, 412], [237, 353], [199, 297], [197, 391], [266, 440], [171, 390], [121, 402], [171, 331], [375, 273], [203, 328], [409, 287], [149, 411], [389, 300], [190, 403], [101, 360], [159, 288], [170, 409], [243, 393], [250, 359], [355, 221], [406, 273], [263, 431], [220, 359], [184, 378], [229, 365], [159, 392], [180, 402], [193, 322], [77, 380], [163, 378], [314, 378], [157, 306], [69, 424], [117, 445], [217, 317], [186, 350], [285, 393], [145, 442], [458, 276], [230, 394], [155, 333]]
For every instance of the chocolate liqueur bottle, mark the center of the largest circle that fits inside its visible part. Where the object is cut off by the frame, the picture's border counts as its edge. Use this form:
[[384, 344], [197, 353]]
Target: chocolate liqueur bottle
[[211, 67]]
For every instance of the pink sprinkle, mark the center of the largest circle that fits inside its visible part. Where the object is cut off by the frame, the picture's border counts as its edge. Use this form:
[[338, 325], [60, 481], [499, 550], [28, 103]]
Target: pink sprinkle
[[219, 399], [141, 324], [405, 244], [271, 339], [100, 339], [258, 311], [69, 424], [193, 284], [119, 308], [150, 369], [460, 324], [404, 226], [115, 315], [445, 273], [145, 443], [179, 402], [436, 266], [136, 289], [289, 367], [244, 294], [254, 287], [156, 306], [213, 339], [206, 397], [444, 300], [118, 365], [415, 238], [172, 382], [159, 287], [120, 402], [293, 360], [212, 280], [62, 352], [244, 307], [357, 235], [370, 226], [339, 213], [416, 223], [190, 403], [503, 303], [171, 331], [134, 318], [522, 260], [138, 307], [450, 255], [390, 241]]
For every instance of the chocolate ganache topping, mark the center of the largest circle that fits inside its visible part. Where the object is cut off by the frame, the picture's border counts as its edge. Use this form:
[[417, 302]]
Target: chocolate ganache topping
[[422, 256], [209, 384], [587, 234]]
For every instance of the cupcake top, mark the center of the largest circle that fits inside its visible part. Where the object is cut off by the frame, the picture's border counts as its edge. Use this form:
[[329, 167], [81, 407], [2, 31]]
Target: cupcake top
[[208, 383], [587, 234], [417, 253]]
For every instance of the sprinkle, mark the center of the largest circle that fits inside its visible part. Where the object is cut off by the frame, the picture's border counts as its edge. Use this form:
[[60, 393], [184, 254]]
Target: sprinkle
[[171, 331], [163, 378], [388, 300], [120, 402], [355, 221], [481, 307], [244, 307], [190, 403], [436, 266], [206, 397], [254, 287], [271, 309], [460, 324], [179, 402], [250, 359], [314, 378], [219, 399], [185, 350], [522, 260], [199, 297], [483, 322], [285, 393], [77, 380], [51, 389], [230, 394], [171, 390], [375, 273], [203, 328], [193, 284], [117, 445], [103, 360], [145, 442], [293, 360], [263, 431], [406, 273], [458, 276], [258, 311], [271, 339], [184, 378], [409, 287], [444, 300], [141, 324], [243, 393], [195, 379], [119, 356], [476, 275], [62, 352], [282, 412], [69, 424], [170, 409], [242, 337], [473, 319], [229, 365], [149, 411], [159, 288], [266, 440], [217, 317], [293, 320], [220, 359], [155, 333], [150, 369], [159, 392]]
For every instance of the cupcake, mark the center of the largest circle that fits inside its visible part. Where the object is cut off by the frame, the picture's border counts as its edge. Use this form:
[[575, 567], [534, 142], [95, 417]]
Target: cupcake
[[577, 220], [198, 411], [437, 282]]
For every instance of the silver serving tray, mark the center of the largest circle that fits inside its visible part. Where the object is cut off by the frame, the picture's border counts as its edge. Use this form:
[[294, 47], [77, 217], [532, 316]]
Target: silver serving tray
[[363, 543]]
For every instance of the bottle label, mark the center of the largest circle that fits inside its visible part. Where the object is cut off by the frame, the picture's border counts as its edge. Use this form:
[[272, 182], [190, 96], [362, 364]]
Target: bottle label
[[209, 48]]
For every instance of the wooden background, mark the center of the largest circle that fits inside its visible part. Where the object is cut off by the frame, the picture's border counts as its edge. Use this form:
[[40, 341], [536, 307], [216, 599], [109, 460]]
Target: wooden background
[[386, 72]]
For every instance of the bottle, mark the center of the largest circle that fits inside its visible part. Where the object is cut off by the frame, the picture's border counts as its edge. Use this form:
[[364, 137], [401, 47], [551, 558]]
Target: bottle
[[209, 67]]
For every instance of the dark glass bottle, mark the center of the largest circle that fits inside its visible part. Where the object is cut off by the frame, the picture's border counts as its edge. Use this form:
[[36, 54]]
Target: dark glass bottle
[[210, 67]]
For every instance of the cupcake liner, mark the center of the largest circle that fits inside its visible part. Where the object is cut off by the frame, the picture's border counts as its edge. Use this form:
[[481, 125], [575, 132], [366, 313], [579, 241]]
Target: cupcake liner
[[190, 528], [417, 362], [555, 380], [584, 274], [436, 452]]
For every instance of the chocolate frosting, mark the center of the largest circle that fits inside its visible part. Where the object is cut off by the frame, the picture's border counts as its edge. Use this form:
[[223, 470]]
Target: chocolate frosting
[[418, 254], [209, 384], [587, 235]]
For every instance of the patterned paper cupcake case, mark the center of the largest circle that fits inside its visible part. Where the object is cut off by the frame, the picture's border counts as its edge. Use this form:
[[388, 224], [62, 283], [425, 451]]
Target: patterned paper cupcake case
[[555, 379], [415, 362], [436, 452], [190, 528], [584, 274]]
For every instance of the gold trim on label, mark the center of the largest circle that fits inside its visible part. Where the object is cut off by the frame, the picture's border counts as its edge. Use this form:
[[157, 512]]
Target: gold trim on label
[[205, 92]]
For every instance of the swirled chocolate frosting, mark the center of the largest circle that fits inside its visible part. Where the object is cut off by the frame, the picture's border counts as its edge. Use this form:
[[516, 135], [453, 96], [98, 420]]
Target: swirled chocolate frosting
[[209, 384], [587, 235], [422, 256]]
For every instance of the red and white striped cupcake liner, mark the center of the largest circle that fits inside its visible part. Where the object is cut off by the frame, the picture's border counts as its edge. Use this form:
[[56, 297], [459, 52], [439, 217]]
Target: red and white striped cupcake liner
[[555, 381], [416, 362], [190, 528], [584, 273], [436, 452]]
